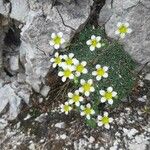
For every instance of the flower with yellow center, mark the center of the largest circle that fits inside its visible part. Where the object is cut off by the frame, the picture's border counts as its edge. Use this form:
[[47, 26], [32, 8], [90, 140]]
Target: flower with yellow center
[[123, 29], [57, 60], [105, 120], [108, 95], [57, 40], [66, 108], [94, 42], [80, 68], [66, 73], [100, 72], [69, 60], [87, 87], [87, 111], [75, 98]]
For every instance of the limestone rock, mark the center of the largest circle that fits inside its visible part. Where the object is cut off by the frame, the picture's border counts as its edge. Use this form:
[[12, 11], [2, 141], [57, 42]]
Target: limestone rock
[[137, 14]]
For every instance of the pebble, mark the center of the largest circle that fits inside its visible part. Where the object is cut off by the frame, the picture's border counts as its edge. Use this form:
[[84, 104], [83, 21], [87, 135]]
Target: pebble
[[91, 139], [63, 136], [60, 125]]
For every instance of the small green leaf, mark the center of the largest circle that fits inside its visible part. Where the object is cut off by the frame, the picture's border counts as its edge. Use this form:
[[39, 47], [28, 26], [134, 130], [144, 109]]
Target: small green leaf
[[91, 123]]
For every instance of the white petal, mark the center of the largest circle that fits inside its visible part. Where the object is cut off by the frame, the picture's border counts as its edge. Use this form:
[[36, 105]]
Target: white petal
[[75, 61], [88, 117], [53, 35], [85, 71], [92, 48], [65, 57], [122, 35], [60, 34], [105, 68], [105, 75], [70, 95], [77, 104], [83, 63], [99, 117], [98, 38], [82, 107], [94, 73], [63, 79], [89, 42], [52, 60], [98, 78], [51, 43], [54, 65], [88, 105], [111, 120], [98, 45], [90, 81], [110, 101], [82, 81], [100, 123], [117, 32], [126, 24], [98, 66], [92, 112], [103, 99], [71, 76], [62, 41], [129, 30], [119, 24], [92, 89], [81, 89], [93, 37], [81, 98], [109, 89], [60, 74], [56, 46], [77, 92], [105, 114], [66, 103], [107, 126], [82, 113], [70, 101], [66, 112], [78, 74], [114, 93], [71, 55], [102, 92], [87, 94]]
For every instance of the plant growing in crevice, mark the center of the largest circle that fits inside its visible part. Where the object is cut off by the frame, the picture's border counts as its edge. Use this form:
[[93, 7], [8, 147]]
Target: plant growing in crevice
[[101, 72]]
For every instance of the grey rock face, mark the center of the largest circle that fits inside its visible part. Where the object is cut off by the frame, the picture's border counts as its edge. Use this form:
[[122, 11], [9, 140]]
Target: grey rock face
[[38, 20], [137, 14]]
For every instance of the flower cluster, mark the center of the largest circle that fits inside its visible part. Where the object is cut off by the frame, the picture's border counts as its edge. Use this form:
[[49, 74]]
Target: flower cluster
[[71, 68]]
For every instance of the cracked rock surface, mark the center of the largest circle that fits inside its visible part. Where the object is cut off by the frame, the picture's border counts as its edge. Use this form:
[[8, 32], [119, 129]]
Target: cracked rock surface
[[137, 14], [25, 31]]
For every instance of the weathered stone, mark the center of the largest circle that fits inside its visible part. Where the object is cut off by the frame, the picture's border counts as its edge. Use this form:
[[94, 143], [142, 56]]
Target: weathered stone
[[45, 90], [4, 8], [14, 63], [138, 16]]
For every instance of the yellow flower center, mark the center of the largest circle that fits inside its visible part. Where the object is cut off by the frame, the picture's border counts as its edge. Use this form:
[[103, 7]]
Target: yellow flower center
[[79, 68], [57, 60], [67, 73], [87, 111], [123, 29], [69, 61], [94, 42], [86, 87], [66, 108], [100, 72], [57, 40], [76, 98], [108, 95], [105, 120]]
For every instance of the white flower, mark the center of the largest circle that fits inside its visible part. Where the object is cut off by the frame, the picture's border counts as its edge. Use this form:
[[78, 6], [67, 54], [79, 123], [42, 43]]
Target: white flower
[[66, 73], [94, 42], [100, 72], [57, 40], [105, 120], [87, 87], [57, 60], [87, 111], [69, 60], [65, 108], [80, 68], [108, 95], [123, 29], [75, 98]]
